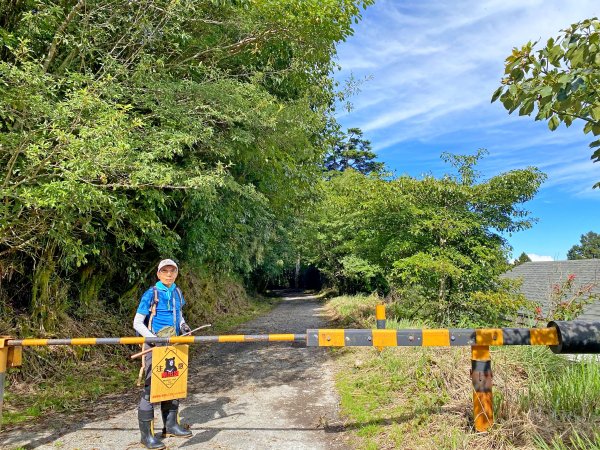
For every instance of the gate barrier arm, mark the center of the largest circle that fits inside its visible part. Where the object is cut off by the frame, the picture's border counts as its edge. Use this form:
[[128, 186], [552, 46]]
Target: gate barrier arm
[[432, 337], [561, 336], [237, 338], [567, 337]]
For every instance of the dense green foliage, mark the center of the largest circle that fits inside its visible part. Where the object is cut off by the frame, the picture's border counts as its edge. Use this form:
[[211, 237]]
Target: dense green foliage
[[435, 241], [352, 150], [131, 130], [559, 80], [589, 247], [200, 130]]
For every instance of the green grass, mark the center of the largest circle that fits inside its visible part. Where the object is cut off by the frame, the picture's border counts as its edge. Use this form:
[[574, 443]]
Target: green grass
[[390, 395], [67, 393], [573, 392], [421, 398], [358, 311], [562, 388], [387, 395], [350, 305], [575, 442]]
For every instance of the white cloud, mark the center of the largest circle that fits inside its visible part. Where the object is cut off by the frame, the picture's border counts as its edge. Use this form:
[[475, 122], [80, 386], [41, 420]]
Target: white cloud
[[358, 61], [435, 66], [572, 173], [535, 257]]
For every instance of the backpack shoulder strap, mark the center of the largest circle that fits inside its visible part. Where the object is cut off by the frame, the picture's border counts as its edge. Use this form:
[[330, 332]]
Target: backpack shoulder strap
[[151, 315], [154, 301], [152, 311]]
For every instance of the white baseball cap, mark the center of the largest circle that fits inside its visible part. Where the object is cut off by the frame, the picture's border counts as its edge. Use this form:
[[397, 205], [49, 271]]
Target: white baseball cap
[[167, 262]]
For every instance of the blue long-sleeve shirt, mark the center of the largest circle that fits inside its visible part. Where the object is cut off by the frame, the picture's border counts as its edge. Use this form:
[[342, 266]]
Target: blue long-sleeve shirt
[[168, 310]]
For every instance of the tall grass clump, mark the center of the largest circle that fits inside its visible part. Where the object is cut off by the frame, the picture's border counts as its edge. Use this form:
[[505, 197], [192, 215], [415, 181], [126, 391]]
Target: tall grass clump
[[354, 310], [562, 388], [358, 311], [576, 441], [571, 393], [421, 398]]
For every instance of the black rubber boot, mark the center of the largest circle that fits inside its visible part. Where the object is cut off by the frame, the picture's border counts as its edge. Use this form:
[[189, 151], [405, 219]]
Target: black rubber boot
[[146, 421], [170, 417]]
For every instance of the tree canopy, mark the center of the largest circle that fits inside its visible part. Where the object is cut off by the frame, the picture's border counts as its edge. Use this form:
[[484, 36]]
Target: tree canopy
[[588, 248], [523, 258], [559, 82], [439, 238], [130, 130], [352, 150]]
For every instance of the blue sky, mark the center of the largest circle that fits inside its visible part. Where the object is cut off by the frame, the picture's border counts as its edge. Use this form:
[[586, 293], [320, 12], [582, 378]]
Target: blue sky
[[430, 68]]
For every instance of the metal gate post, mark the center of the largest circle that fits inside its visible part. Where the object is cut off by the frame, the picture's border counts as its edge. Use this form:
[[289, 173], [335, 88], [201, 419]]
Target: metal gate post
[[3, 364], [481, 375], [380, 316]]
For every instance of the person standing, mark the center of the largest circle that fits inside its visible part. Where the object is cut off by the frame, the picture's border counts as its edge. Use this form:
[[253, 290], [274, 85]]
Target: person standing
[[160, 314]]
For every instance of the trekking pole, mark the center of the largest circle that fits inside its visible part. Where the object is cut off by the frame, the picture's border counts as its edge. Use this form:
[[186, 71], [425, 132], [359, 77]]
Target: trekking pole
[[148, 350]]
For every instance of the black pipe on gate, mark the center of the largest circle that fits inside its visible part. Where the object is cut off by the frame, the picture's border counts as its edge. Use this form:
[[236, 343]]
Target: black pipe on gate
[[576, 337]]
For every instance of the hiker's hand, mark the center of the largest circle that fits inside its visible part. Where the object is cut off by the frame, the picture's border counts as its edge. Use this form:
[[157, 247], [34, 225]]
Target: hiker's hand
[[185, 328]]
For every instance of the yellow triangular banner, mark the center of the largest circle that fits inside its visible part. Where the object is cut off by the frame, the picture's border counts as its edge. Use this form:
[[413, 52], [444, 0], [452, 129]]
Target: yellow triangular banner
[[169, 373]]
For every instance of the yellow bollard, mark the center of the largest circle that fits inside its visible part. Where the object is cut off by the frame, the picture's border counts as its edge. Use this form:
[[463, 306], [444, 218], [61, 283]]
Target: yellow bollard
[[380, 317], [9, 357]]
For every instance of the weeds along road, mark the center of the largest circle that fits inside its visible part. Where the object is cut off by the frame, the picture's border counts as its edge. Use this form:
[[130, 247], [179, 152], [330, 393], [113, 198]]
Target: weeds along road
[[240, 396]]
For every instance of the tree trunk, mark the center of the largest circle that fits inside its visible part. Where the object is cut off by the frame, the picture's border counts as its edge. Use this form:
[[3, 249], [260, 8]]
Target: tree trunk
[[442, 294], [41, 310]]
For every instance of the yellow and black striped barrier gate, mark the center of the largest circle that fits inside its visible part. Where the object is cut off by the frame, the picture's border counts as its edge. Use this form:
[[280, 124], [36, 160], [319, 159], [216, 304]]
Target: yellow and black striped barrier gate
[[561, 337]]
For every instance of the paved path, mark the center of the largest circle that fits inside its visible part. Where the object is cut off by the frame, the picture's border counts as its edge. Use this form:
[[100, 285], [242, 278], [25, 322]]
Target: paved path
[[240, 396]]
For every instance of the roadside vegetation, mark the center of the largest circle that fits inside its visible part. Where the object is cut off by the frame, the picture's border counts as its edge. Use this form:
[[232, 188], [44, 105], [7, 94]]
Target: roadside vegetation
[[421, 398], [434, 249], [555, 81], [135, 131], [206, 132], [60, 383]]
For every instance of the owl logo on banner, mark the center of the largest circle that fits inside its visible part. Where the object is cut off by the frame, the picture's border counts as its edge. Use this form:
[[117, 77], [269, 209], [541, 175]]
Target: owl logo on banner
[[169, 373]]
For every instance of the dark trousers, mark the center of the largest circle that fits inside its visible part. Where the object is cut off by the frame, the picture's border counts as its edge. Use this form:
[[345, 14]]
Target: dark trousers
[[145, 404]]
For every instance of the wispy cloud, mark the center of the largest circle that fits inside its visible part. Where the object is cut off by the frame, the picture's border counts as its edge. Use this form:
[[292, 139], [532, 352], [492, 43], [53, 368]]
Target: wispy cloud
[[434, 66]]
